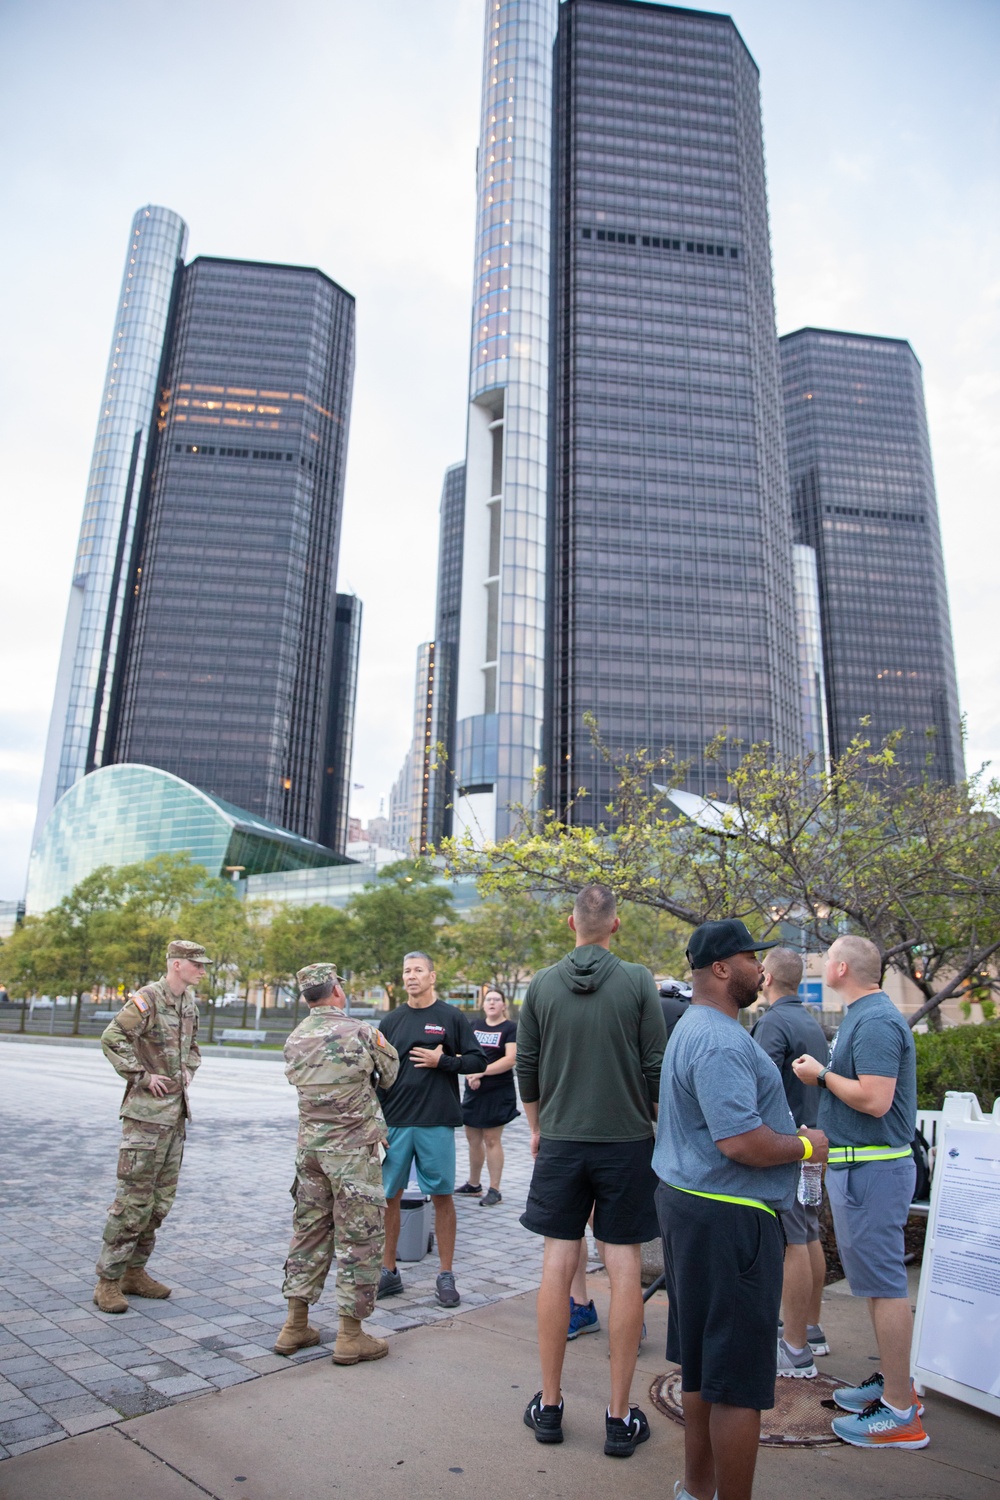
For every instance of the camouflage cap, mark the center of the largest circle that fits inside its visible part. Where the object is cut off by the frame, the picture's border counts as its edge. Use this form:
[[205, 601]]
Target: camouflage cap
[[193, 952], [316, 974]]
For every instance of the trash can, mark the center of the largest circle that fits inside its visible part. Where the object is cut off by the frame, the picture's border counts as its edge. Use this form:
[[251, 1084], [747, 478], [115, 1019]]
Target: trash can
[[416, 1234]]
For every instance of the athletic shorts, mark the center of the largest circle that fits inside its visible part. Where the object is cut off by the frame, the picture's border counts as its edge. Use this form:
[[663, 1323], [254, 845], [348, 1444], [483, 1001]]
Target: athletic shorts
[[723, 1264], [800, 1223], [432, 1147], [871, 1204], [614, 1178]]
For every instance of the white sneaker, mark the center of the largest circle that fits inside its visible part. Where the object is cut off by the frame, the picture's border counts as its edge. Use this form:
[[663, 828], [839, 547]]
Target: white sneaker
[[680, 1493], [797, 1366]]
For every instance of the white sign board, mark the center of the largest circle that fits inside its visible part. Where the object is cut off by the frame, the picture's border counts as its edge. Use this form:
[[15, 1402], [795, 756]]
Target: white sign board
[[956, 1335]]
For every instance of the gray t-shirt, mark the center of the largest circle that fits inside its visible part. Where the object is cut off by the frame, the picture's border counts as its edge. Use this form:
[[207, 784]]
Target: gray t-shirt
[[716, 1083], [873, 1038]]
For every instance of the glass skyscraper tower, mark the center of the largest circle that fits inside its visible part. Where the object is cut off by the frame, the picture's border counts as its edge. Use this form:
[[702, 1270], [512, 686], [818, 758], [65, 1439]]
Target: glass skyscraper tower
[[863, 497], [671, 601]]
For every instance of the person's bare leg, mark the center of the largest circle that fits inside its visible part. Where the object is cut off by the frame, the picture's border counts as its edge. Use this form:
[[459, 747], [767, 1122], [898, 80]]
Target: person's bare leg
[[392, 1218], [493, 1142], [623, 1264], [444, 1228], [699, 1465], [477, 1154], [817, 1264], [560, 1259], [578, 1286], [796, 1292], [735, 1437], [893, 1322]]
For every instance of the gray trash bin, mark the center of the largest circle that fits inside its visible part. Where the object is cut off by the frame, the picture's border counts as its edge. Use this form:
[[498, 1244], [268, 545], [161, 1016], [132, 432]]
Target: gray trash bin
[[416, 1218]]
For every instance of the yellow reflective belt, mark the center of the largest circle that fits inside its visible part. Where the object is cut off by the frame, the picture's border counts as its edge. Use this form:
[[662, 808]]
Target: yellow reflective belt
[[725, 1198], [853, 1155]]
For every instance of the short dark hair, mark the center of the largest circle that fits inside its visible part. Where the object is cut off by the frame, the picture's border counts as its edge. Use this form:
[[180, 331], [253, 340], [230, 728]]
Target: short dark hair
[[314, 992], [594, 910], [786, 966], [417, 954]]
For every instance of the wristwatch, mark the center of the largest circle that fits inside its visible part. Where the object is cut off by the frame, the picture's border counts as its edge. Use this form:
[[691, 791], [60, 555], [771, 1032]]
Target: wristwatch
[[821, 1077]]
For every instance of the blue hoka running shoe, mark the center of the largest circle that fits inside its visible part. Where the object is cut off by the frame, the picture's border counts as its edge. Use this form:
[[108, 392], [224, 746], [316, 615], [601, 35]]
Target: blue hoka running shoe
[[856, 1397], [582, 1318], [878, 1427]]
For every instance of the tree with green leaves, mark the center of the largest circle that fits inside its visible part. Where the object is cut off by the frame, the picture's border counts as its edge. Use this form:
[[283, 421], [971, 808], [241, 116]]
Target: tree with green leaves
[[300, 935], [508, 937], [406, 909]]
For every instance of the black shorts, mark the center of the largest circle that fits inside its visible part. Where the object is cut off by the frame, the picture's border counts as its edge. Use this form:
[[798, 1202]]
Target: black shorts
[[614, 1178], [487, 1109], [724, 1264]]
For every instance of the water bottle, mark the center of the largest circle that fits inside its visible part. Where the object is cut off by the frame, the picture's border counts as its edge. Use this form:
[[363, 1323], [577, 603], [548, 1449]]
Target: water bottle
[[810, 1184]]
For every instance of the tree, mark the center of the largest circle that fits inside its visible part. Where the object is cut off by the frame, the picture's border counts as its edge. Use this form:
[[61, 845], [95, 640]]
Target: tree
[[404, 911], [915, 866], [300, 935], [508, 937]]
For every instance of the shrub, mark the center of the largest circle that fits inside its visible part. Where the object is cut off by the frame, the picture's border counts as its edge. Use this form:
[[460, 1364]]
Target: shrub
[[964, 1058]]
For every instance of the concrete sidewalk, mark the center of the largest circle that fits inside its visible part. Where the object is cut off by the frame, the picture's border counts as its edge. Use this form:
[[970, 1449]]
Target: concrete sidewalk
[[441, 1417]]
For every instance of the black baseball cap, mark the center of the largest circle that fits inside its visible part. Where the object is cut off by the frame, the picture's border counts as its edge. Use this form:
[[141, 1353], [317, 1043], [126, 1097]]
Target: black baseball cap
[[713, 941]]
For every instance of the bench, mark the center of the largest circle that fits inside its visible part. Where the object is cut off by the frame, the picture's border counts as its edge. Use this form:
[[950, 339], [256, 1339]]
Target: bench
[[239, 1034], [105, 1015]]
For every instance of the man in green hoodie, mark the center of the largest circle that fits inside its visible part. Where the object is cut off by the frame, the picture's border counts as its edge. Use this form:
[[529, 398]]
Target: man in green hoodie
[[590, 1040]]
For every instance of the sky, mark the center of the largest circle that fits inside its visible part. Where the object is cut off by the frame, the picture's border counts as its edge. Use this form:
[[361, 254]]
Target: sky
[[343, 135]]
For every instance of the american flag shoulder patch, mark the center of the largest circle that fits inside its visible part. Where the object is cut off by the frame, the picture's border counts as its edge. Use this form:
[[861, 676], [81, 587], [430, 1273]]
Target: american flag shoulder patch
[[380, 1040], [141, 1003]]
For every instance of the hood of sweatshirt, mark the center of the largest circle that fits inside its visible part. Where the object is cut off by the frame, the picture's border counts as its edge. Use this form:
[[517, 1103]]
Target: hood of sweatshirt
[[587, 967]]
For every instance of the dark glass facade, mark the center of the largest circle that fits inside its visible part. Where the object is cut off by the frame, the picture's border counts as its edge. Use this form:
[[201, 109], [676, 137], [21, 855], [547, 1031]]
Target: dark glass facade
[[340, 745], [863, 497], [671, 613], [451, 538], [225, 676]]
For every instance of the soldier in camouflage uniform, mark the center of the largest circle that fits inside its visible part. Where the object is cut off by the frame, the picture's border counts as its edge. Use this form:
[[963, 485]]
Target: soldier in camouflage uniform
[[153, 1044], [336, 1063]]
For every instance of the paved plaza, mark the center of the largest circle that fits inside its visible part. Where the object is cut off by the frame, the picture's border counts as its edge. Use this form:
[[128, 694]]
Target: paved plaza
[[65, 1368]]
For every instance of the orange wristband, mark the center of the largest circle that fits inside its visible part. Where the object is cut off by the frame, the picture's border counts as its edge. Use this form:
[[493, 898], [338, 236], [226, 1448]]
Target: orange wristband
[[807, 1147]]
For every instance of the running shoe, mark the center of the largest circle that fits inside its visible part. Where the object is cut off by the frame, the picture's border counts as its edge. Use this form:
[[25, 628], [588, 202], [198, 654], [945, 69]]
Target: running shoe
[[390, 1283], [469, 1190], [817, 1340], [446, 1291], [680, 1493], [491, 1198], [624, 1434], [582, 1318], [796, 1366], [857, 1397], [878, 1427], [545, 1421]]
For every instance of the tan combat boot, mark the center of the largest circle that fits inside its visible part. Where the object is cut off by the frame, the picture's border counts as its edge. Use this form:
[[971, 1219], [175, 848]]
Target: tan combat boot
[[138, 1283], [296, 1333], [353, 1344], [108, 1296]]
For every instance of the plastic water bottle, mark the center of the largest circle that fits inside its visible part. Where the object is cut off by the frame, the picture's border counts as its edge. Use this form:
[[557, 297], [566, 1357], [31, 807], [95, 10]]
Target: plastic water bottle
[[811, 1184]]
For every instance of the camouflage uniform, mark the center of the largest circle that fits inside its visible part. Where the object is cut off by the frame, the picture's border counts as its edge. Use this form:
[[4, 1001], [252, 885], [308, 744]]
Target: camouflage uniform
[[154, 1032], [335, 1064]]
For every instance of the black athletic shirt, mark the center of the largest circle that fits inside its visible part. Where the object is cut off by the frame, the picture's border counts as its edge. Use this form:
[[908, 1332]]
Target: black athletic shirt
[[494, 1041], [429, 1096]]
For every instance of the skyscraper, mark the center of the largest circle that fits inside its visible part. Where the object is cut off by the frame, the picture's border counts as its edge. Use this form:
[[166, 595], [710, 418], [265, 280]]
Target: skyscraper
[[671, 605], [812, 679], [446, 635], [863, 497], [93, 618], [223, 654], [499, 694]]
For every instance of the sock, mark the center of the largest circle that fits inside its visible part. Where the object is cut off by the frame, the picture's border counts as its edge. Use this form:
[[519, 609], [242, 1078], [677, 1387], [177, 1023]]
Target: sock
[[792, 1349], [902, 1415]]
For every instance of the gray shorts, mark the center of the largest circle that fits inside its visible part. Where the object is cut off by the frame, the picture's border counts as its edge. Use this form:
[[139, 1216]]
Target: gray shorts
[[800, 1223], [871, 1204]]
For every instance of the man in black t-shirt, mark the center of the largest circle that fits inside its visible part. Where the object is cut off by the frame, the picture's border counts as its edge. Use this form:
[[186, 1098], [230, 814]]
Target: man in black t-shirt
[[435, 1043]]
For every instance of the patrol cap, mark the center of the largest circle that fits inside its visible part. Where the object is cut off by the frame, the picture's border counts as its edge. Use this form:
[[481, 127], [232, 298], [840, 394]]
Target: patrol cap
[[714, 941], [316, 974], [193, 952]]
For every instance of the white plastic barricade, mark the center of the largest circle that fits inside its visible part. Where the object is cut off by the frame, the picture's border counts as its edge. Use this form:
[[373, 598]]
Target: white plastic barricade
[[956, 1334]]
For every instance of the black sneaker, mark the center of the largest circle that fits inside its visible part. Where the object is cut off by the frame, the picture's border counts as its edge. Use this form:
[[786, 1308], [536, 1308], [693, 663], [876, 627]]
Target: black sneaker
[[545, 1421], [622, 1436], [446, 1291], [469, 1190], [389, 1283], [491, 1199]]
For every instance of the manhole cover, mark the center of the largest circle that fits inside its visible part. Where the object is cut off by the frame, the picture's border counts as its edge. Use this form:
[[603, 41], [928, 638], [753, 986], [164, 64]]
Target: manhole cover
[[798, 1418]]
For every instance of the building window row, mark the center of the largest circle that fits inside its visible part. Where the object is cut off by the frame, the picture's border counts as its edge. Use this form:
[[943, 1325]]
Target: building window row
[[207, 451], [661, 242], [875, 515]]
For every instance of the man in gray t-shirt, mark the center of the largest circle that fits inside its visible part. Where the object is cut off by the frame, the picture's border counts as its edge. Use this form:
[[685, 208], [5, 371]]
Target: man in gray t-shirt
[[727, 1156], [868, 1100]]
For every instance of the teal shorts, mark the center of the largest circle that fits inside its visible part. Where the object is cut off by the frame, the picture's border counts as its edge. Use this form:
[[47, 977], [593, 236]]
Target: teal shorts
[[432, 1147]]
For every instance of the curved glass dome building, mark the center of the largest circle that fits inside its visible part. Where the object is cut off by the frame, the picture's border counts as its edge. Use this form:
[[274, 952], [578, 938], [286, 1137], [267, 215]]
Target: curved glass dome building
[[126, 813]]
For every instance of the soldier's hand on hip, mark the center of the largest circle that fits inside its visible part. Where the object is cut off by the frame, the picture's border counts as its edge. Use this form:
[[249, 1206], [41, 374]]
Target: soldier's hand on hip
[[186, 1073], [426, 1057], [159, 1084]]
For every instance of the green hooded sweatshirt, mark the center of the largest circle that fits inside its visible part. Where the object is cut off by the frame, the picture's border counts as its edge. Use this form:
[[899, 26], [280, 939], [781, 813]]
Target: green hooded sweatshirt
[[590, 1040]]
